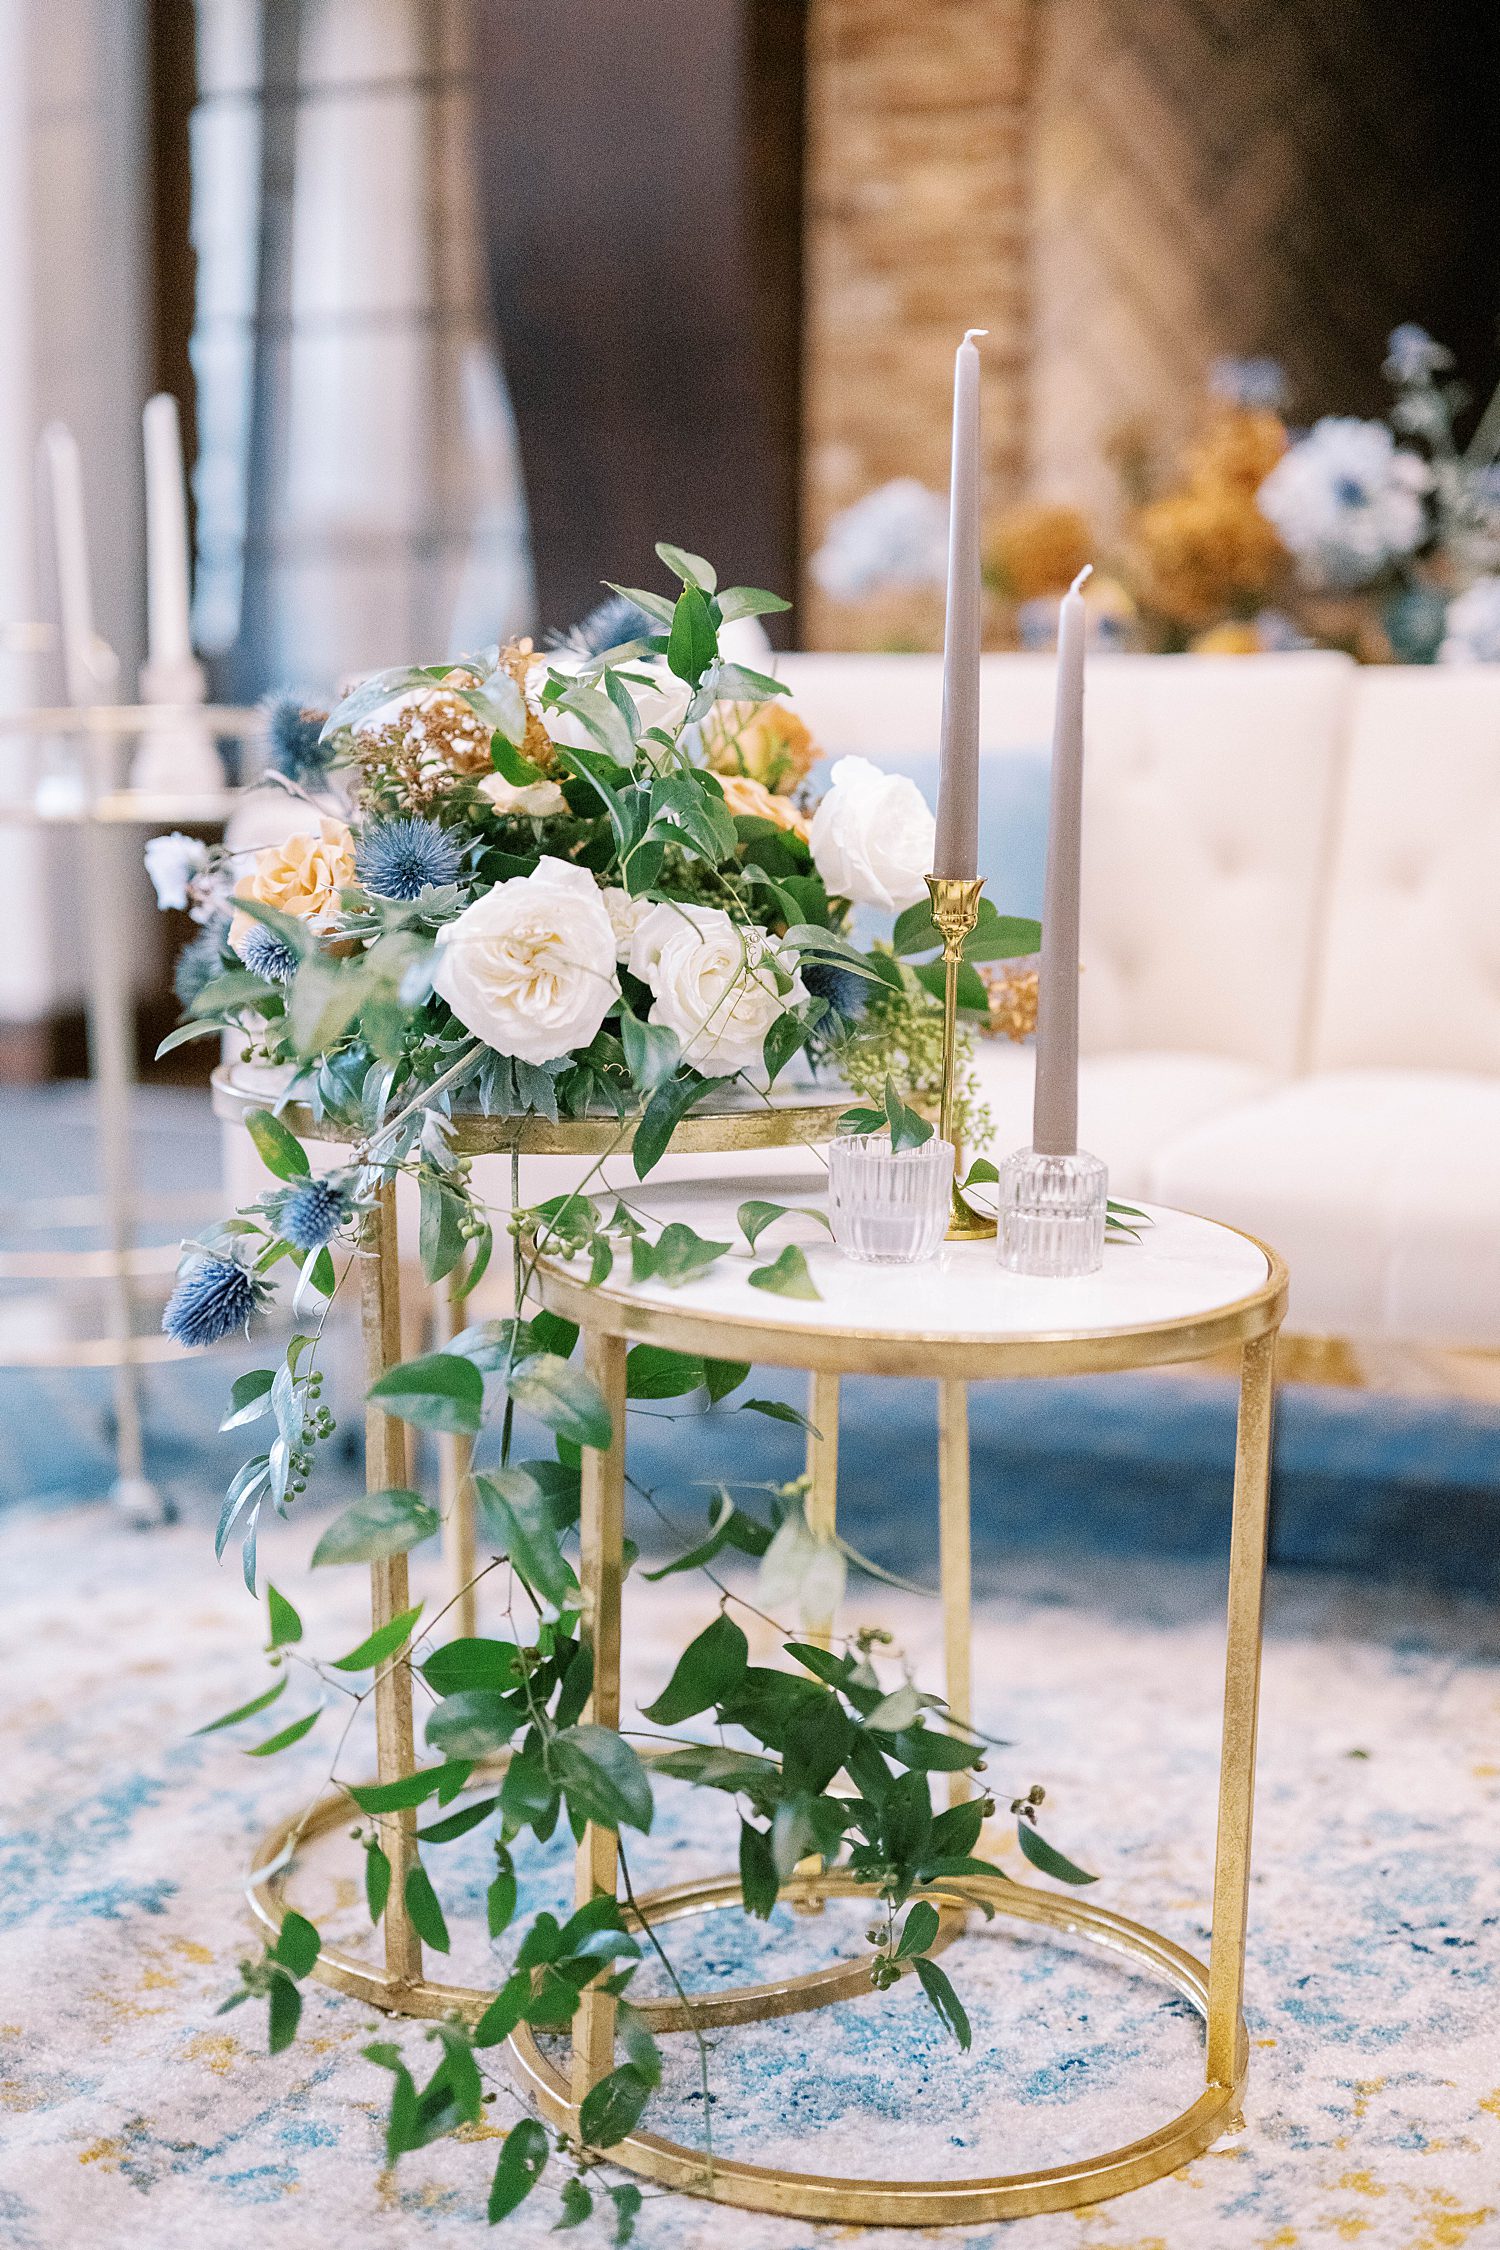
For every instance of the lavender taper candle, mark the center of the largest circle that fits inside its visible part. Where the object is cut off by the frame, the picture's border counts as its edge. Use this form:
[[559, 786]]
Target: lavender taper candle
[[1054, 1129], [956, 851]]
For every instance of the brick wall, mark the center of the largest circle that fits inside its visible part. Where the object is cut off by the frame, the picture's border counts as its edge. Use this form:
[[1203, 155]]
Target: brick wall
[[916, 230]]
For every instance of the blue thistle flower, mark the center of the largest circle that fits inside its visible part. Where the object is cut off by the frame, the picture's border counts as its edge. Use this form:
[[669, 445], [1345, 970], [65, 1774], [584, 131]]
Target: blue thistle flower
[[198, 963], [615, 620], [296, 752], [266, 955], [845, 992], [314, 1211], [214, 1296], [402, 858]]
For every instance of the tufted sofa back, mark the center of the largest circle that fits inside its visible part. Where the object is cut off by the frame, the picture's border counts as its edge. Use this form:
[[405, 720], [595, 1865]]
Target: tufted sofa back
[[1410, 953], [1209, 825]]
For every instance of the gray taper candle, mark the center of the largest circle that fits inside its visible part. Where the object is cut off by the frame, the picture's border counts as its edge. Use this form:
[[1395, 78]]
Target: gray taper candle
[[1054, 1125], [956, 851]]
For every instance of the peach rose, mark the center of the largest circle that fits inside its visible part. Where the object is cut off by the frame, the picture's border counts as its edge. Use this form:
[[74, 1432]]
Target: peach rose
[[302, 875], [744, 794], [763, 740]]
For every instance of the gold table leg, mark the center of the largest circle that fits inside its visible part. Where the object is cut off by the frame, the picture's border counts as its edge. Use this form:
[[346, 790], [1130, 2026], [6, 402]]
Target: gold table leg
[[1247, 1585], [601, 1570], [954, 1563], [456, 1487], [822, 1508], [385, 1468]]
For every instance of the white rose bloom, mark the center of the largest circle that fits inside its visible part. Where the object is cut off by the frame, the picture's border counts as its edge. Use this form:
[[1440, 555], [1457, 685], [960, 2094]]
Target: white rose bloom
[[714, 983], [626, 915], [540, 800], [530, 967], [873, 836], [172, 862]]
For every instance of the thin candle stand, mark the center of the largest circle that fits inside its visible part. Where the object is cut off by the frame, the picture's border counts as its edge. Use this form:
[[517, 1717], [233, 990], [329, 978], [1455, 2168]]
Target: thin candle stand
[[955, 910]]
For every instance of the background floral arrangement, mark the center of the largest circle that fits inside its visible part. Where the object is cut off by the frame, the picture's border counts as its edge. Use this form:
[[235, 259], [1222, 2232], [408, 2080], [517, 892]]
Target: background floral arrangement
[[582, 882]]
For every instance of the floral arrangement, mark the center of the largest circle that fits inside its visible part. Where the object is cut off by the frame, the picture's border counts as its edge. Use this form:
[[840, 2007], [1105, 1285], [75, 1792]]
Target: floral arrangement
[[590, 881]]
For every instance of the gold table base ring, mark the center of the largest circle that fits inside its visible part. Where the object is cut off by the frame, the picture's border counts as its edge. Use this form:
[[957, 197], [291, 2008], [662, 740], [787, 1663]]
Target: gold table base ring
[[424, 1997], [933, 2202]]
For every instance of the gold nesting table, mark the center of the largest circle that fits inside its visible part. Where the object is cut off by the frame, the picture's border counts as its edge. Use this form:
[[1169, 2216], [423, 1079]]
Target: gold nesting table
[[1189, 1288]]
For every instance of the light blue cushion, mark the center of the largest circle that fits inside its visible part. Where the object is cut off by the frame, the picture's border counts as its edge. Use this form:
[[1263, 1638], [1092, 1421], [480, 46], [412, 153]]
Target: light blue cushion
[[1013, 787]]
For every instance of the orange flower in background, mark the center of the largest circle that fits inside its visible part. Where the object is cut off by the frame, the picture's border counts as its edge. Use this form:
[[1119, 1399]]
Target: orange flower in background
[[1206, 552], [746, 796], [1039, 549], [1240, 447], [762, 741]]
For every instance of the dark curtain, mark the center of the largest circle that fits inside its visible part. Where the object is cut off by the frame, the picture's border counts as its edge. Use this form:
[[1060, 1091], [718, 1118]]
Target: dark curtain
[[640, 168]]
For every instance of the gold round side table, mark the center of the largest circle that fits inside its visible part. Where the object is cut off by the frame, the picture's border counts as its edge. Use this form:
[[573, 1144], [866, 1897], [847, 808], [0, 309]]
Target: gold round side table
[[1187, 1289]]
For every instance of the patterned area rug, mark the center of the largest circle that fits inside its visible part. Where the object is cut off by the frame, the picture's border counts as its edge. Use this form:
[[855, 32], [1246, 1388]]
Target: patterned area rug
[[135, 2115]]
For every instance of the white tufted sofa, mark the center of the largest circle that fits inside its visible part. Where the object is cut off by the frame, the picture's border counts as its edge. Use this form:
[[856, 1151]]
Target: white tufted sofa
[[1291, 946]]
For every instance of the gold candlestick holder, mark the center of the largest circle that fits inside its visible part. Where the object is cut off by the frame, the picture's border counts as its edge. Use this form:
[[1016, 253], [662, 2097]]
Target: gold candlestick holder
[[955, 909]]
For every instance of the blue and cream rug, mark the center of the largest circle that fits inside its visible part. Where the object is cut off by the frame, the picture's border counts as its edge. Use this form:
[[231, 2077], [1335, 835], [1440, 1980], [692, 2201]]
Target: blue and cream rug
[[134, 2115]]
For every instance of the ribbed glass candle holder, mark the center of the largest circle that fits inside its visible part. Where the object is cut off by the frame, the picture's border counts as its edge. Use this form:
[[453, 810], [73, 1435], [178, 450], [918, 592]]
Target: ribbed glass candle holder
[[889, 1206], [1052, 1213]]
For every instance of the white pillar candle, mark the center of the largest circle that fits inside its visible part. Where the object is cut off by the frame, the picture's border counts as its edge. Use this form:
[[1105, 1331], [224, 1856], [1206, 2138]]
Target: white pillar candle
[[168, 629], [956, 851], [1054, 1130]]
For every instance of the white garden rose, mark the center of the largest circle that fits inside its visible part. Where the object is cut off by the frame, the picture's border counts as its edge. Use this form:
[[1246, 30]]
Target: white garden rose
[[718, 985], [872, 837], [540, 800], [530, 967], [626, 915]]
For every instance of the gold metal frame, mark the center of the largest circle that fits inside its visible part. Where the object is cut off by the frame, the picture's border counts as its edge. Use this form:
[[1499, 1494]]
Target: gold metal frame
[[955, 910], [611, 1320]]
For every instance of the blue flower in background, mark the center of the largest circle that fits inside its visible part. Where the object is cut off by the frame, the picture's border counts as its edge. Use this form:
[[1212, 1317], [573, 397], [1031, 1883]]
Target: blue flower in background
[[1347, 501], [199, 962], [314, 1211], [214, 1296], [266, 955], [402, 858], [294, 728], [1472, 634], [1257, 384], [1412, 356], [609, 626]]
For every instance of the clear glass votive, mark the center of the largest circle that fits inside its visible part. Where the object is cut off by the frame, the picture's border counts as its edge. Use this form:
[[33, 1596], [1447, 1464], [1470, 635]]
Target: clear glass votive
[[1052, 1213], [889, 1207]]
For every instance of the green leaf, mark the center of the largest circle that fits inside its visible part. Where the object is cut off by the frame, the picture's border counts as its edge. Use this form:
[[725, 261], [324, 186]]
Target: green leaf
[[627, 2200], [500, 704], [994, 937], [707, 1672], [652, 1052], [749, 601], [777, 1410], [601, 1777], [235, 988], [378, 1524], [918, 1930], [565, 1398], [662, 1115], [1048, 1858], [459, 1823], [412, 1788], [297, 1945], [184, 1035], [901, 1708], [721, 1517], [611, 2111], [787, 1276], [377, 1646], [440, 1237], [690, 568], [287, 1736], [286, 1625], [500, 1898], [679, 1254], [285, 2013], [474, 1723], [248, 1710], [973, 996], [577, 2205], [439, 1391], [692, 643], [521, 2164], [424, 1910], [279, 1149], [659, 606], [759, 1883], [377, 1879], [249, 1397], [653, 1372], [463, 1664], [509, 763], [755, 1217], [982, 1173], [721, 1376], [939, 1990], [518, 1517], [908, 1130]]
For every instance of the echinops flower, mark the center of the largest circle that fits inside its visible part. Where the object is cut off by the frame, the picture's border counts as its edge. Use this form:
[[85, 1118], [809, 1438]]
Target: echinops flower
[[266, 955], [294, 729], [402, 858], [214, 1296], [314, 1211]]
